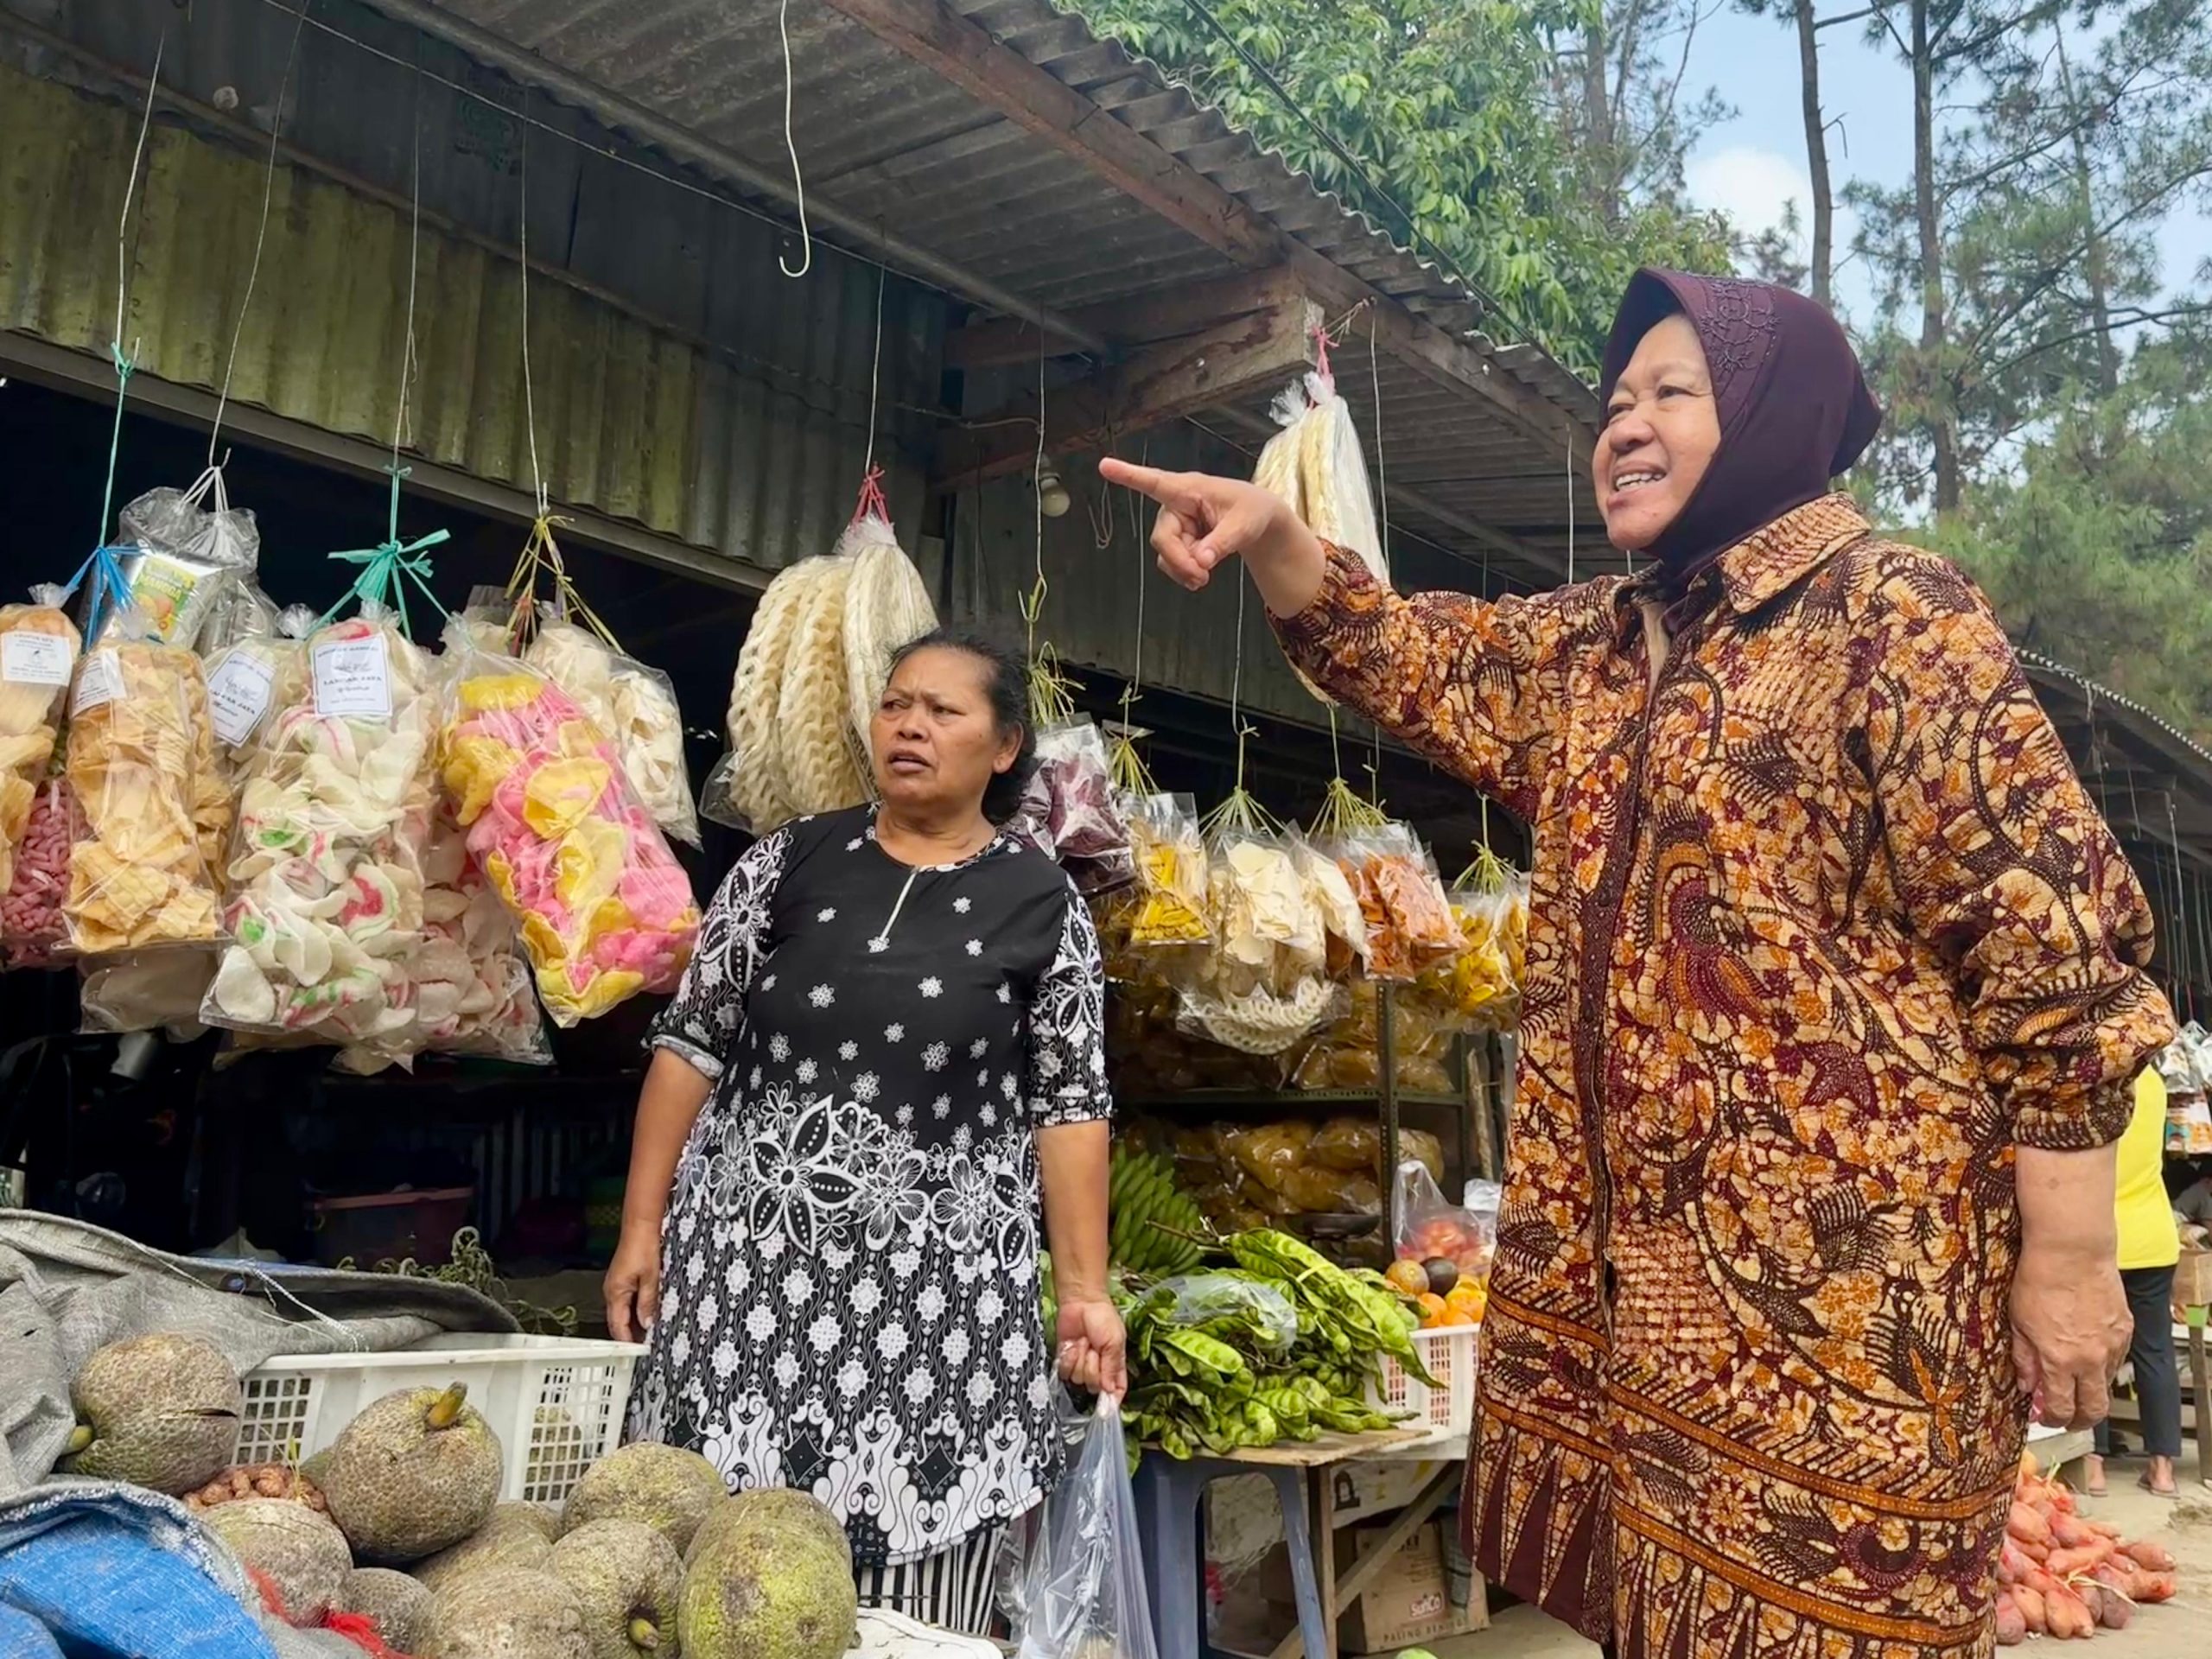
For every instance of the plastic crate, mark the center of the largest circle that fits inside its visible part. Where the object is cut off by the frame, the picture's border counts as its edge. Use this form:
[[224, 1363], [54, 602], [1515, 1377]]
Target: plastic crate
[[1446, 1410], [556, 1402]]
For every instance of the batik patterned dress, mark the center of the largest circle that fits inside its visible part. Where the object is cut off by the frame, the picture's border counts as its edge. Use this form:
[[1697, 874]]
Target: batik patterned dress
[[849, 1263], [1822, 928]]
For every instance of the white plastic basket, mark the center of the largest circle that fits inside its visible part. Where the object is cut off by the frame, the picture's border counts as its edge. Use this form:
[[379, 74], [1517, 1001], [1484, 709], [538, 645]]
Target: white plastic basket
[[1446, 1410], [556, 1402]]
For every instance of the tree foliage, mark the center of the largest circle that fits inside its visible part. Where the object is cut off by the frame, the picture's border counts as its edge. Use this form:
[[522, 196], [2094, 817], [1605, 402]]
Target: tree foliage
[[1533, 147]]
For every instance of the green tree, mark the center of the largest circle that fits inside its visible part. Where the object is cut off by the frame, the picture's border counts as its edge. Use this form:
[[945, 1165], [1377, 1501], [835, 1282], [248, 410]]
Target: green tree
[[1532, 147], [2097, 549], [2023, 257]]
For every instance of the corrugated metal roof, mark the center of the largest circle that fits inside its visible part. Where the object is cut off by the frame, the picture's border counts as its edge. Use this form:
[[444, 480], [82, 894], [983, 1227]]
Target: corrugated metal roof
[[890, 140], [679, 384]]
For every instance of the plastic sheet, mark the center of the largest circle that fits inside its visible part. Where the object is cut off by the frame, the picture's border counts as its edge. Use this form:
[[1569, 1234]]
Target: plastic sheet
[[1084, 1591], [1262, 1312], [603, 908], [326, 876], [142, 764]]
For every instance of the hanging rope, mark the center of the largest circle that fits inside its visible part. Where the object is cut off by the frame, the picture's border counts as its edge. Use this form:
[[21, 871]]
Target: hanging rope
[[125, 362], [108, 589], [2187, 962], [1052, 693], [875, 376], [387, 566], [1126, 766], [791, 145], [528, 388], [261, 231], [1239, 812]]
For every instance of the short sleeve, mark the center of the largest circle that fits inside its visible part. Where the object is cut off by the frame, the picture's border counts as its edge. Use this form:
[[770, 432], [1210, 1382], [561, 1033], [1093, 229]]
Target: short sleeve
[[700, 1025], [1067, 1029]]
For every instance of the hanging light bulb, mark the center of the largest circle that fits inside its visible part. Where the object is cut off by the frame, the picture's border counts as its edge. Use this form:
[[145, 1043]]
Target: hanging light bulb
[[1052, 493]]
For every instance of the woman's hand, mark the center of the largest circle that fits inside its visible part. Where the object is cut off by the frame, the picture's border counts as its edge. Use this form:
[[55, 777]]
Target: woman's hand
[[2071, 1331], [1204, 519], [1094, 1348], [632, 1286]]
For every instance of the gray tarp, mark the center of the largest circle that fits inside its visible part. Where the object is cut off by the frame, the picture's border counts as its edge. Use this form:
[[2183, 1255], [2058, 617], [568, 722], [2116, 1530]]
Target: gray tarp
[[67, 1288]]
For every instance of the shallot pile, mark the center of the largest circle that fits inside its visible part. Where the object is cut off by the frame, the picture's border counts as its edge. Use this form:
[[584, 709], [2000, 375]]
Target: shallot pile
[[2062, 1574]]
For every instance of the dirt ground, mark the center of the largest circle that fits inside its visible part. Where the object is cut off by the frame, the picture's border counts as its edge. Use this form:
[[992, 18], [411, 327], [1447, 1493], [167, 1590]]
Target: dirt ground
[[2176, 1630]]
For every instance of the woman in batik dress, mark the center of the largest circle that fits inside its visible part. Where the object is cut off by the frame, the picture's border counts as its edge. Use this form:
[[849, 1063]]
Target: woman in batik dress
[[1835, 997]]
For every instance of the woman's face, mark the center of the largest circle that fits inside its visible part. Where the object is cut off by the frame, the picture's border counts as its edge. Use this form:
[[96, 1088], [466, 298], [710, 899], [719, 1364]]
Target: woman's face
[[935, 742], [1661, 430]]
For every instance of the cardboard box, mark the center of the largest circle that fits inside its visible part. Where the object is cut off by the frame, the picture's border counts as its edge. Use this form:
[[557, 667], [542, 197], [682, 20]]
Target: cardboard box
[[2193, 1278], [1407, 1602]]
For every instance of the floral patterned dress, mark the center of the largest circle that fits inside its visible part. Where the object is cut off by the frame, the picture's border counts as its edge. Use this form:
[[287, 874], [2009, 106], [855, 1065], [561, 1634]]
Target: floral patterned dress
[[1822, 928], [849, 1261]]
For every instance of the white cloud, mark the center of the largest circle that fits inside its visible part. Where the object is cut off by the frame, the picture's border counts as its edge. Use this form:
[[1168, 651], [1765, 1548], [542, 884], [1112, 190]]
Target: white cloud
[[1754, 187]]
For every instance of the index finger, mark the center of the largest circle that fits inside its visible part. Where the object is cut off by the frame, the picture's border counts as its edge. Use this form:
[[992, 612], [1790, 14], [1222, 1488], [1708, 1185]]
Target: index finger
[[1145, 481]]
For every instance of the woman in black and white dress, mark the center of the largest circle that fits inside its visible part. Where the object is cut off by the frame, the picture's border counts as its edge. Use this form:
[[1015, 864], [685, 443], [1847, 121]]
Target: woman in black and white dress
[[892, 1031]]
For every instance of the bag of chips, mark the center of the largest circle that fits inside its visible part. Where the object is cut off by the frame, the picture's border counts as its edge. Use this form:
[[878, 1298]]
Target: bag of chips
[[38, 660], [604, 910], [325, 878]]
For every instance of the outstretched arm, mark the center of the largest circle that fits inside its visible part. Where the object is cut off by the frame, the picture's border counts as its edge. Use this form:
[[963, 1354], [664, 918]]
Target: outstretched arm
[[1450, 674]]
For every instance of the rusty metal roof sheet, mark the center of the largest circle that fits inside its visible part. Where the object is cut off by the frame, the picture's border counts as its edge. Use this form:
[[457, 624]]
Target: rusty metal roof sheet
[[890, 140]]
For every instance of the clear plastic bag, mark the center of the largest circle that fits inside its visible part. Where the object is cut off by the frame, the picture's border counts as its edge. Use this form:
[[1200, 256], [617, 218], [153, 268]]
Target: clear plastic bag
[[473, 989], [326, 878], [1410, 927], [1429, 1224], [634, 707], [147, 990], [142, 764], [189, 553], [1070, 804], [1262, 1313], [1084, 1591], [604, 910], [1171, 909], [38, 660], [34, 933]]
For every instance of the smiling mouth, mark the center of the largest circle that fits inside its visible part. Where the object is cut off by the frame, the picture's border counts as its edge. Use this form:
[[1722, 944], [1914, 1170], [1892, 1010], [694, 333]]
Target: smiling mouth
[[1626, 483]]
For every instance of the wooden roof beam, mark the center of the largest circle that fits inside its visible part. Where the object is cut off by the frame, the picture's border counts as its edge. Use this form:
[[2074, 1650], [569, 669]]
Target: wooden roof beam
[[1001, 78], [1156, 384]]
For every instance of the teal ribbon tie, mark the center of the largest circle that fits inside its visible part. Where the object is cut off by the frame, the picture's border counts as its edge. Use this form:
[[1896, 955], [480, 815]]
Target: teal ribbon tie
[[388, 567]]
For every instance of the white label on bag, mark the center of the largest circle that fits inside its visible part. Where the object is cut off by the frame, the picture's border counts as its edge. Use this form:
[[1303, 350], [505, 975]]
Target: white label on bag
[[28, 657], [238, 696], [99, 682], [353, 679]]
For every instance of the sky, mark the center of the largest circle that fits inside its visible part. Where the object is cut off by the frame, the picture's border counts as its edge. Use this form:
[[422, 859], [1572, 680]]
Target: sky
[[1750, 166]]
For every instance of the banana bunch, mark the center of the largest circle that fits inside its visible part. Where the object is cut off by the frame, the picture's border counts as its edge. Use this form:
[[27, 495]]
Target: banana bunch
[[1143, 1198]]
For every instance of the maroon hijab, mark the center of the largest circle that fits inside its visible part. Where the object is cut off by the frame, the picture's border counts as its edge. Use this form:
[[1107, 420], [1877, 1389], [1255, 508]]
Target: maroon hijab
[[1793, 407]]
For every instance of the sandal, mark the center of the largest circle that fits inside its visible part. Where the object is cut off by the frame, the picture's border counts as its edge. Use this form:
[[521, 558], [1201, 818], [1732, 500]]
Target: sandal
[[2144, 1481], [2093, 1481]]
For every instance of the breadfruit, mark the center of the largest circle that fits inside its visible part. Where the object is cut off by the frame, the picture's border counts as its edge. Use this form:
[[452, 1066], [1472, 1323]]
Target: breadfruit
[[512, 1536], [628, 1576], [768, 1593], [159, 1411], [400, 1606], [660, 1485], [774, 1508], [506, 1612], [300, 1557], [415, 1473]]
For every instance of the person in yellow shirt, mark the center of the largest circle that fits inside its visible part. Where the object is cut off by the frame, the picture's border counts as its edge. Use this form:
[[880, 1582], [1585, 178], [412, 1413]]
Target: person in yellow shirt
[[2150, 1246]]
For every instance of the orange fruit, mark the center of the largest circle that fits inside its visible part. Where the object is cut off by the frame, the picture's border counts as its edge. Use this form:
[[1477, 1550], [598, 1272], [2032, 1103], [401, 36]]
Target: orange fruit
[[1408, 1277], [1432, 1309]]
